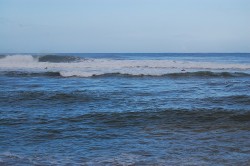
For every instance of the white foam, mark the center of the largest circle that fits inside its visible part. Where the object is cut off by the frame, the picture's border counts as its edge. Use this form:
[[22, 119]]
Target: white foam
[[23, 59], [90, 67]]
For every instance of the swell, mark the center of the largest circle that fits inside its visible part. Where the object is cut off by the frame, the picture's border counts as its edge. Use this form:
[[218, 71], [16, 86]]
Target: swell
[[233, 99], [197, 120], [169, 115], [128, 75], [47, 97], [171, 119], [110, 101]]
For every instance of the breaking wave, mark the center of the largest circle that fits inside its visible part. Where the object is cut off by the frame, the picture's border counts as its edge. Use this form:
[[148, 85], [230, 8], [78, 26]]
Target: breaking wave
[[68, 66]]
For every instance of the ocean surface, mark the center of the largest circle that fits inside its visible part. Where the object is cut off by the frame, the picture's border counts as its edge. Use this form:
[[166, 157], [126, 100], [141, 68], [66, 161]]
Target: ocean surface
[[124, 109]]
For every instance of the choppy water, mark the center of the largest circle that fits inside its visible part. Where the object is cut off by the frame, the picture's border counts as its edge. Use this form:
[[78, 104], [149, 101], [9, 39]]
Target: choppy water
[[125, 109]]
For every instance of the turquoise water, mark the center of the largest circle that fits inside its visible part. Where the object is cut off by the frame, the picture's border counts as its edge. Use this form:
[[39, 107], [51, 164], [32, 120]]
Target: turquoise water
[[125, 109]]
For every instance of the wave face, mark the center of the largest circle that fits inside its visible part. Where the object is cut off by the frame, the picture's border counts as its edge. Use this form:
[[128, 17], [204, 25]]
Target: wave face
[[68, 66], [58, 59]]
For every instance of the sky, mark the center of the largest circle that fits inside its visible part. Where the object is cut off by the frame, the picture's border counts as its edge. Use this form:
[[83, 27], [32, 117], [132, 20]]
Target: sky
[[123, 26]]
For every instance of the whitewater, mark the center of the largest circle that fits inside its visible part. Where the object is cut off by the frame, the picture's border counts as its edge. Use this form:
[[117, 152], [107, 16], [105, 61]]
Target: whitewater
[[68, 66]]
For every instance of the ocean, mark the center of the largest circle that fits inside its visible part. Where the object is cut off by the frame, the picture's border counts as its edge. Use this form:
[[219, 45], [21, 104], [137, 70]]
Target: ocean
[[125, 109]]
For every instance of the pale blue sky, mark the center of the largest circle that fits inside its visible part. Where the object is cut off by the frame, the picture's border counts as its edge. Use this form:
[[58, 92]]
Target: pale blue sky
[[43, 26]]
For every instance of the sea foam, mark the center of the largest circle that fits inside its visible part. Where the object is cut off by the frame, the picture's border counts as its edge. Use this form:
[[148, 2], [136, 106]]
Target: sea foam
[[93, 67]]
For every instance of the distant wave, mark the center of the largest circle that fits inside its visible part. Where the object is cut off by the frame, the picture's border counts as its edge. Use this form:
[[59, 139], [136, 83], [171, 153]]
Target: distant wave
[[42, 58], [68, 66], [58, 59]]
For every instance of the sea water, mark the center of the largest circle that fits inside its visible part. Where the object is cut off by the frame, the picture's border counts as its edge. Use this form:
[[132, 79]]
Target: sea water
[[125, 109]]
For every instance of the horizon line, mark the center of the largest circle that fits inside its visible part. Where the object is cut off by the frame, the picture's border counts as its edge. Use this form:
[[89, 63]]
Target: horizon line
[[125, 53]]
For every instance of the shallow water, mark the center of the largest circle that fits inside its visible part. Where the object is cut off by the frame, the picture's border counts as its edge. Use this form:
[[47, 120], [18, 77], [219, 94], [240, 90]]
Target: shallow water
[[106, 112]]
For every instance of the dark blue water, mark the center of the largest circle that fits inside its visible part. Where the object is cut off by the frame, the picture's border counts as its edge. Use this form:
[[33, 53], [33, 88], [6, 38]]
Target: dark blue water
[[125, 109]]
